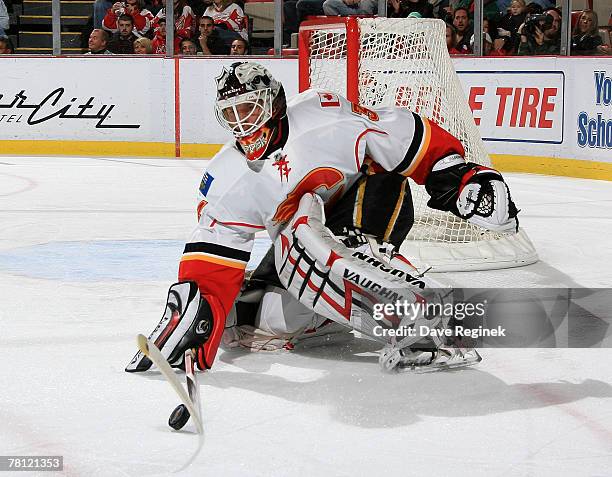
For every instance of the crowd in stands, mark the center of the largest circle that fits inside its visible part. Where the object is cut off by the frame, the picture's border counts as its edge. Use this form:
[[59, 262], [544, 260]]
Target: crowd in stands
[[510, 27], [201, 27], [131, 27], [522, 29], [220, 27]]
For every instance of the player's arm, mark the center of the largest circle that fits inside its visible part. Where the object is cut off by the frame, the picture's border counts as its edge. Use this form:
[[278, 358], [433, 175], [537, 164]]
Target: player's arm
[[211, 273], [417, 147]]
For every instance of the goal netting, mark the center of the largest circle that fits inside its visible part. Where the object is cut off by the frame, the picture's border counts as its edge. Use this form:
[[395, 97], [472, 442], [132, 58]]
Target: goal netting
[[404, 62]]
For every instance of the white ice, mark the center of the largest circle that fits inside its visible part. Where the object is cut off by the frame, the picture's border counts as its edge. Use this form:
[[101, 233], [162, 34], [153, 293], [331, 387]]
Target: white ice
[[88, 248]]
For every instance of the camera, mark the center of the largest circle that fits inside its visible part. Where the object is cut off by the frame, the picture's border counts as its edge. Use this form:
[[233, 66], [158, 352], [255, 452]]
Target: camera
[[543, 21]]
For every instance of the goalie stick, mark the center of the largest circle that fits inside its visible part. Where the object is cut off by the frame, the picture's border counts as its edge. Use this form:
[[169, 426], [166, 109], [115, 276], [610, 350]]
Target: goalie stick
[[181, 414], [152, 352]]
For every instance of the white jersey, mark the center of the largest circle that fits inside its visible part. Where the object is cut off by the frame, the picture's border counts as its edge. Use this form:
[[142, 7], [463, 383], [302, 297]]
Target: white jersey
[[329, 139], [327, 144]]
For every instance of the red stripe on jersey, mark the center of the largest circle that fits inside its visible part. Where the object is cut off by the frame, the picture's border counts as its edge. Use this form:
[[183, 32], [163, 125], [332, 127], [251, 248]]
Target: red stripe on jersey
[[359, 139], [242, 224]]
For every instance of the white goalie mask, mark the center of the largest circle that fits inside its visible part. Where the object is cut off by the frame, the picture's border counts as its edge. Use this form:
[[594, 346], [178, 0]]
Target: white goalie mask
[[246, 96]]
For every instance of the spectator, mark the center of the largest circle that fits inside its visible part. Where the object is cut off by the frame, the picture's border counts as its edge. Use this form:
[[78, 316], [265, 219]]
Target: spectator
[[451, 40], [585, 37], [228, 15], [188, 47], [533, 9], [184, 23], [486, 25], [143, 46], [344, 8], [442, 10], [509, 37], [142, 18], [209, 41], [461, 22], [199, 6], [489, 10], [122, 42], [487, 44], [239, 47], [403, 8], [100, 9], [539, 37], [155, 5], [6, 46], [98, 42], [159, 41], [503, 6], [4, 18], [294, 13]]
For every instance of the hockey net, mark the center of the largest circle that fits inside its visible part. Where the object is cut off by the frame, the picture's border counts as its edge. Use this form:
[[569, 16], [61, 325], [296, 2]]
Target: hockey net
[[404, 62]]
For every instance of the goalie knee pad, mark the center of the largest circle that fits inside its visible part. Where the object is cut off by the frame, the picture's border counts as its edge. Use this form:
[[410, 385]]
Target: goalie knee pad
[[472, 192]]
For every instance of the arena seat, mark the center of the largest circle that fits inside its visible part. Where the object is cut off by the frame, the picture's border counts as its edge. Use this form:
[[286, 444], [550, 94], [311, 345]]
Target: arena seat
[[261, 15]]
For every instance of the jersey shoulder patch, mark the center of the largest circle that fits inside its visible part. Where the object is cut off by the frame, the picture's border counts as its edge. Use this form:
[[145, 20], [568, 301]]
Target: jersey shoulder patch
[[317, 98], [225, 187]]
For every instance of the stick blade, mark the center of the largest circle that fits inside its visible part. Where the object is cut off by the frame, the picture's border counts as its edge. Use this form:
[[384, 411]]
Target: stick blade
[[143, 345], [151, 351]]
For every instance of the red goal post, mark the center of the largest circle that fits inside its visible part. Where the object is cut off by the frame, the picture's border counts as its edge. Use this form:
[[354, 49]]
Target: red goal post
[[404, 62]]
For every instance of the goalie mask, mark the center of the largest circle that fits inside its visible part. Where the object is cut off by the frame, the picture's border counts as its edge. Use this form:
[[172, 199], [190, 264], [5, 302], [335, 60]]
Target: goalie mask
[[251, 104]]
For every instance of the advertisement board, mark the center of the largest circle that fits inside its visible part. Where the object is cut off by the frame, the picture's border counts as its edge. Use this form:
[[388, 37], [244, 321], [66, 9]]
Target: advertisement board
[[525, 107], [86, 100]]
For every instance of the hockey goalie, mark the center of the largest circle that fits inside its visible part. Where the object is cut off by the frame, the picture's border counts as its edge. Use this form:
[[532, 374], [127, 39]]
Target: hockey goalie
[[327, 180]]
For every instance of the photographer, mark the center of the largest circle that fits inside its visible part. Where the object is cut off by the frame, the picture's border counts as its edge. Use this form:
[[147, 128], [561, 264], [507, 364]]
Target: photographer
[[540, 34]]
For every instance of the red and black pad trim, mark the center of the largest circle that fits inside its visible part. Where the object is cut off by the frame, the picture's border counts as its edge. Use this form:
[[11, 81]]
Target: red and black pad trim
[[310, 269]]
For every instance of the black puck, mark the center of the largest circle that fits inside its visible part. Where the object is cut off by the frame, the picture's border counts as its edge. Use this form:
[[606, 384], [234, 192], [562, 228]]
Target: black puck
[[179, 417]]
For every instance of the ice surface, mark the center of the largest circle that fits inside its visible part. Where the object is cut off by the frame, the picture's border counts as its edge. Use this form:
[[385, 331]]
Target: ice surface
[[88, 248]]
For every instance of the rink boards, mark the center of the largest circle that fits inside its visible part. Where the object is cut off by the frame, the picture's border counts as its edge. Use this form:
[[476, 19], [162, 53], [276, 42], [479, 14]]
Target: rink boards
[[548, 115]]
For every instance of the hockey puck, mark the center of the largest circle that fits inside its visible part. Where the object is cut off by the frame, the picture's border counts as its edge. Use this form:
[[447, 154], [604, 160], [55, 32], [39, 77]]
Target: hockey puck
[[179, 417]]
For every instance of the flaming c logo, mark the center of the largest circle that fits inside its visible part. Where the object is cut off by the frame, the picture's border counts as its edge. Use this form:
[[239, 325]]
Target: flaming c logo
[[326, 177]]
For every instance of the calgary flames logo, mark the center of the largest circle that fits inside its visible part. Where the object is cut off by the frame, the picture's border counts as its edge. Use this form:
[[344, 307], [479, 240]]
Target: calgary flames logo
[[322, 177]]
